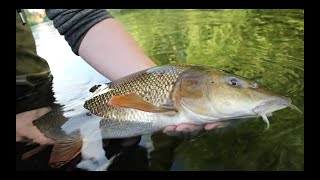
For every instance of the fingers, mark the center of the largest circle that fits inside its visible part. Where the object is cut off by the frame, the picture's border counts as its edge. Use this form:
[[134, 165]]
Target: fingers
[[26, 130], [191, 127], [32, 115], [188, 127], [42, 111], [21, 139], [211, 126], [182, 127], [36, 136], [169, 129]]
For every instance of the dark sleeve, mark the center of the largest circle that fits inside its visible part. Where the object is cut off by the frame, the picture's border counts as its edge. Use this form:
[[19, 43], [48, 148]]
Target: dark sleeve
[[75, 23]]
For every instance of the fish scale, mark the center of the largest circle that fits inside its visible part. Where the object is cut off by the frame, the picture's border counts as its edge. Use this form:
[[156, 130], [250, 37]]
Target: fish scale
[[154, 86]]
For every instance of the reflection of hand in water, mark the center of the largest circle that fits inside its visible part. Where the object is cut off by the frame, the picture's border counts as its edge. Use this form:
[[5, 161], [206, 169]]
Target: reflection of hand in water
[[164, 146], [135, 157], [132, 156], [128, 154]]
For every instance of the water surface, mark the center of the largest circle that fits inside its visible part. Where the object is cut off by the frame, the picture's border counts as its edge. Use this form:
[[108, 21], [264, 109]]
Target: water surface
[[264, 45]]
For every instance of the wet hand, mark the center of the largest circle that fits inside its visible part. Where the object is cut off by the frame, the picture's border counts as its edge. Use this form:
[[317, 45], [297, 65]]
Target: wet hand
[[26, 131], [191, 127]]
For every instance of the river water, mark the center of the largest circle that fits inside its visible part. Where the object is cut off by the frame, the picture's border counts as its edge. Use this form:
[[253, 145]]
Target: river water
[[264, 45]]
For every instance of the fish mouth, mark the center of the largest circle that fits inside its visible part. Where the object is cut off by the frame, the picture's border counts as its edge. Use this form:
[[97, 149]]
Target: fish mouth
[[266, 108]]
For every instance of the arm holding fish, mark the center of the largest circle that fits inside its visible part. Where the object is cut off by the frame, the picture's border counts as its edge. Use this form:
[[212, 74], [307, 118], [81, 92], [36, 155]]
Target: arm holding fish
[[99, 41], [108, 39], [103, 41]]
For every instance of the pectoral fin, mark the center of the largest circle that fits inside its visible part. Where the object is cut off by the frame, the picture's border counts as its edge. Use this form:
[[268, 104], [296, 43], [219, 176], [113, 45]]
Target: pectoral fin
[[64, 151], [135, 101]]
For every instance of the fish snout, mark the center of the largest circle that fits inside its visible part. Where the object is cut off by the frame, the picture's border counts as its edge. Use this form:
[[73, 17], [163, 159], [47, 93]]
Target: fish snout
[[274, 103]]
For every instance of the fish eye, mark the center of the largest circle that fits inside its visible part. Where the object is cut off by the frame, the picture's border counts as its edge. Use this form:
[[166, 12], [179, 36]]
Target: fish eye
[[234, 82]]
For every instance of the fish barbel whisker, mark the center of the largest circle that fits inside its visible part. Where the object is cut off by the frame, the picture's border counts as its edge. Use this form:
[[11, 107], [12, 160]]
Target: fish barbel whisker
[[295, 108], [265, 119]]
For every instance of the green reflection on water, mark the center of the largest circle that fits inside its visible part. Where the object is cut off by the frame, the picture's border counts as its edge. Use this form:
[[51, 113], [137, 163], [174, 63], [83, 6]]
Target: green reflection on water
[[266, 45]]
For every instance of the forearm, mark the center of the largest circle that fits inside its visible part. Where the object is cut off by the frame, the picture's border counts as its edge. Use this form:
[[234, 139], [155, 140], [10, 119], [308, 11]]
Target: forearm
[[109, 49], [100, 41], [73, 24]]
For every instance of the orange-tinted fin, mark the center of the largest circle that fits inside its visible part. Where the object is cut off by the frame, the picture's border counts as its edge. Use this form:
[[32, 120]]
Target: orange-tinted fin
[[135, 101], [33, 152], [64, 151]]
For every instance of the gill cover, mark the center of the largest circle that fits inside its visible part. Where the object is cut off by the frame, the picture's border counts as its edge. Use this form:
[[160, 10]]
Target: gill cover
[[191, 94]]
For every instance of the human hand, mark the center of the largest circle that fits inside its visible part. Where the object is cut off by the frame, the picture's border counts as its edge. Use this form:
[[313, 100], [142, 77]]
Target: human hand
[[191, 127], [26, 131]]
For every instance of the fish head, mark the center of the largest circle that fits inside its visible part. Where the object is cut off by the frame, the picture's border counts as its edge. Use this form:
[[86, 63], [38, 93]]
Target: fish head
[[217, 95]]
